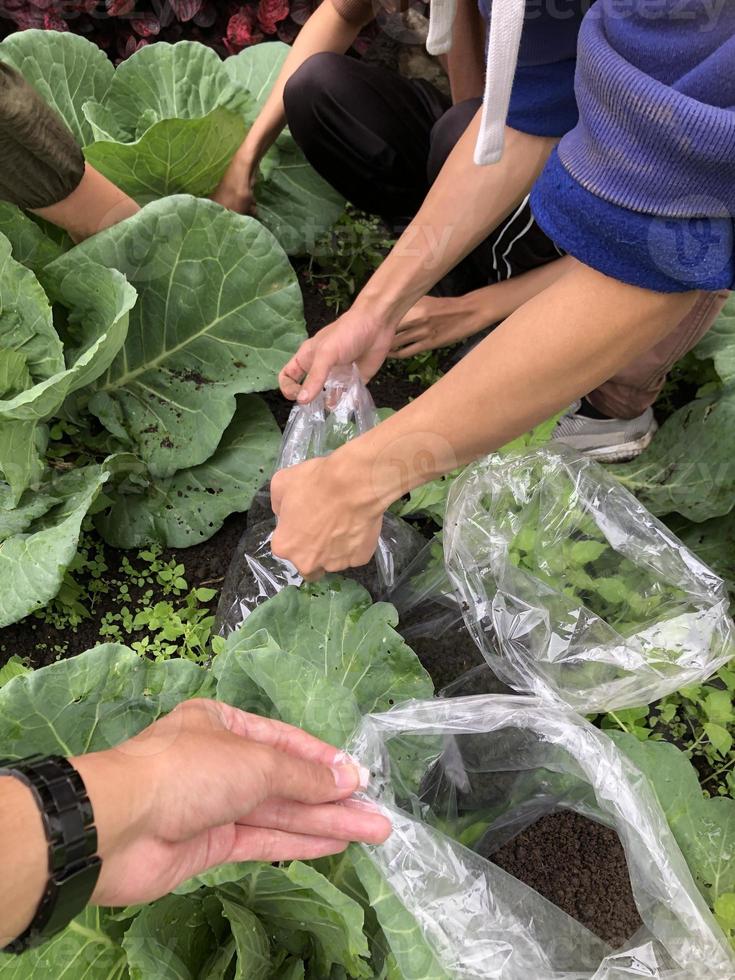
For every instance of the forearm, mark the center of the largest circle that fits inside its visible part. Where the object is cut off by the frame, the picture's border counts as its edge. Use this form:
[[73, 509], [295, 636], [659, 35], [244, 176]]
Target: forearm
[[496, 302], [23, 858], [464, 205], [120, 793], [539, 360], [325, 30], [94, 205]]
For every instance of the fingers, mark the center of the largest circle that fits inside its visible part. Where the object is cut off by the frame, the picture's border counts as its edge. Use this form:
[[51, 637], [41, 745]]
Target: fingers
[[279, 481], [259, 844], [290, 778], [292, 374], [308, 567], [411, 350], [334, 821], [408, 336], [322, 363], [278, 735], [303, 377], [294, 765], [305, 374]]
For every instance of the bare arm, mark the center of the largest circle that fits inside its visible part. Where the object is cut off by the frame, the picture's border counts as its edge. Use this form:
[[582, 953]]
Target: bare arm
[[536, 363], [205, 785], [23, 857], [326, 30], [539, 360], [464, 204], [438, 321], [96, 204]]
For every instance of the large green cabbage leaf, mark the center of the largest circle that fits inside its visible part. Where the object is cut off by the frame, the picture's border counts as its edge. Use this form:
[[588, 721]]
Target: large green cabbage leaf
[[65, 69], [169, 123], [84, 947], [176, 938], [169, 120], [333, 657], [219, 314], [39, 537], [93, 701], [37, 373], [704, 828], [191, 505], [32, 246], [414, 957], [165, 368], [689, 468], [719, 342]]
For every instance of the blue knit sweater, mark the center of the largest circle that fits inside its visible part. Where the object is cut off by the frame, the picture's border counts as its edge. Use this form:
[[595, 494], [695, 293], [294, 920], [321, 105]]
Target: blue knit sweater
[[643, 187]]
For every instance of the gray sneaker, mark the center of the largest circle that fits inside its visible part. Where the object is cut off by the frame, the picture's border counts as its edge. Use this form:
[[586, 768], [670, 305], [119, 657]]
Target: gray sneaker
[[606, 440]]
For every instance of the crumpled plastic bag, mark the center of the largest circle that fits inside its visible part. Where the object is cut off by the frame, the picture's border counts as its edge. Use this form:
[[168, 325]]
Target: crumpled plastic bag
[[425, 597], [343, 410], [431, 621], [573, 590], [483, 769]]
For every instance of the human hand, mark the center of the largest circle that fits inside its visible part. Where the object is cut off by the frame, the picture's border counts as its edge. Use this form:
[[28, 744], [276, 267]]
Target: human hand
[[210, 784], [355, 337], [328, 520], [236, 190], [435, 321]]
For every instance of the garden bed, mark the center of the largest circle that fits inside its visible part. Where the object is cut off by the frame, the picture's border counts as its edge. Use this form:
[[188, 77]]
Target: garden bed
[[123, 580], [161, 601]]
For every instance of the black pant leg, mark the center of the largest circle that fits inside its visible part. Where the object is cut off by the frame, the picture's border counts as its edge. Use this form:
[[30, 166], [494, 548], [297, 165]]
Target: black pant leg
[[366, 130]]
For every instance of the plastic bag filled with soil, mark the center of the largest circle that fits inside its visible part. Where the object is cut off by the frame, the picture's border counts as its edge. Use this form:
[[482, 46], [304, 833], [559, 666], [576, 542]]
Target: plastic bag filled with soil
[[468, 782], [430, 618], [573, 590], [342, 411]]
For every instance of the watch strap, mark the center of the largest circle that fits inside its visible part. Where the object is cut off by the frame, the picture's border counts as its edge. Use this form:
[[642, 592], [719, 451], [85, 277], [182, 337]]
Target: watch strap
[[71, 835]]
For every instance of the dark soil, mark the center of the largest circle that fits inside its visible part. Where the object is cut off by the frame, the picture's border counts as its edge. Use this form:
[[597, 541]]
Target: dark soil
[[43, 642], [446, 657], [580, 866]]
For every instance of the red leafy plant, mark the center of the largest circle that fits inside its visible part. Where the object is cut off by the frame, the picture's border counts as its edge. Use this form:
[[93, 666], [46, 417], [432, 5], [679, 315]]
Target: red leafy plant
[[121, 27]]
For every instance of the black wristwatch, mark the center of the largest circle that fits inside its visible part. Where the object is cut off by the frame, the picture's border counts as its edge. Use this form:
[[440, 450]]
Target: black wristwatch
[[73, 863]]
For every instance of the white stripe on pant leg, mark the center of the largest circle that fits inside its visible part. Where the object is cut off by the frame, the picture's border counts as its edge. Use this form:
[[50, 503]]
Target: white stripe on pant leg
[[508, 224], [519, 235]]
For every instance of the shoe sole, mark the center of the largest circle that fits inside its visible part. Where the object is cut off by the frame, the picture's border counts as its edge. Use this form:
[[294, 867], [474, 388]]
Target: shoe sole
[[622, 453]]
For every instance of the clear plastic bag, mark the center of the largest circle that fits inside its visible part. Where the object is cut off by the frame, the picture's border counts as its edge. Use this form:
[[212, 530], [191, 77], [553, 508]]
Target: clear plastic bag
[[342, 411], [431, 620], [484, 769], [573, 590]]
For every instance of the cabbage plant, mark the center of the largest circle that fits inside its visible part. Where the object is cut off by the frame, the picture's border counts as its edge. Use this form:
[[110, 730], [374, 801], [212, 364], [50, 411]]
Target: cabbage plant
[[320, 657], [141, 350], [168, 120]]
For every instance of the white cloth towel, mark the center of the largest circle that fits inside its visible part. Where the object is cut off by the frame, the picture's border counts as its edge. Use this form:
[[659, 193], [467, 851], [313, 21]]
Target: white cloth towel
[[506, 26]]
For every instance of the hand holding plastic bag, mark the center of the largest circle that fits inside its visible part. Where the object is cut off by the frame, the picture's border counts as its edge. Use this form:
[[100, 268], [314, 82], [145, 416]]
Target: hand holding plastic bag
[[573, 590], [497, 764], [342, 411]]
